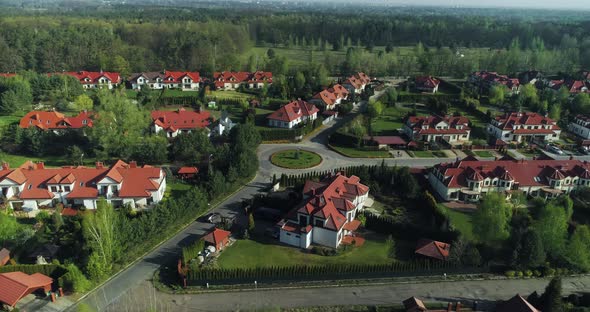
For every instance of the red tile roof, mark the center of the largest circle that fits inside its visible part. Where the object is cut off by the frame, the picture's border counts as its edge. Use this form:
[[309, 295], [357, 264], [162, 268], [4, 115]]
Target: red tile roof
[[526, 173], [69, 212], [7, 75], [181, 119], [4, 256], [358, 80], [330, 95], [414, 305], [136, 181], [494, 78], [177, 76], [510, 121], [15, 285], [56, 120], [293, 111], [86, 77], [516, 304], [216, 236], [433, 249], [240, 77], [427, 82], [188, 170], [427, 124]]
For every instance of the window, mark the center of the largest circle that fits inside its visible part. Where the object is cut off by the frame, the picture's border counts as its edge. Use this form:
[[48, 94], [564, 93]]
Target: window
[[54, 189], [67, 188], [319, 222], [486, 182], [495, 183]]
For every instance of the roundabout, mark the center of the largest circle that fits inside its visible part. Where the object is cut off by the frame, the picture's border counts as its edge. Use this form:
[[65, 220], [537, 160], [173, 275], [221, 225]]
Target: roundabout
[[295, 159]]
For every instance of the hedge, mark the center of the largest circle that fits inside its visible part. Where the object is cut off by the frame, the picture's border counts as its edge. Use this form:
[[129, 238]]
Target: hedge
[[388, 226], [315, 272], [423, 98]]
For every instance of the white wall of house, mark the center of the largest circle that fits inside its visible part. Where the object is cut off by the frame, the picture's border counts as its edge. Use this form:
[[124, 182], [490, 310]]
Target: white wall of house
[[289, 238], [579, 130], [305, 240], [326, 237]]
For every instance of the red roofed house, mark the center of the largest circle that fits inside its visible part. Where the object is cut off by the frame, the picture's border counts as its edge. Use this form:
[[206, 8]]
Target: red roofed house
[[188, 172], [218, 238], [327, 215], [516, 304], [186, 81], [16, 285], [427, 84], [56, 121], [93, 80], [7, 75], [432, 128], [32, 186], [180, 121], [4, 256], [524, 127], [486, 80], [357, 82], [433, 249], [573, 86], [469, 179], [233, 80], [293, 114], [329, 98]]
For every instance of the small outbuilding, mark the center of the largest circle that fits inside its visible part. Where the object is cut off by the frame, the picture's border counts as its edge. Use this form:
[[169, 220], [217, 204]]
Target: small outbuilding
[[433, 249], [186, 173], [4, 256], [16, 285], [218, 238], [384, 142]]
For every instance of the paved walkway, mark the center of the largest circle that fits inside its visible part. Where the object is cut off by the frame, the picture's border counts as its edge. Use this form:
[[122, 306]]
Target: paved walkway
[[144, 298]]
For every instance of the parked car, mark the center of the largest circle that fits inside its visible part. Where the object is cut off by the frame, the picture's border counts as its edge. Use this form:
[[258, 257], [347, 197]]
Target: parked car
[[584, 150], [214, 218], [554, 149]]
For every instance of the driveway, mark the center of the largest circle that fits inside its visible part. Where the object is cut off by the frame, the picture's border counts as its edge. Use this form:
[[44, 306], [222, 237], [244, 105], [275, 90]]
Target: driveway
[[144, 298]]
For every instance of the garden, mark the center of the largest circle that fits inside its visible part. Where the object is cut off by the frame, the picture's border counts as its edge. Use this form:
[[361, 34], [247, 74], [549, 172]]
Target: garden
[[295, 159]]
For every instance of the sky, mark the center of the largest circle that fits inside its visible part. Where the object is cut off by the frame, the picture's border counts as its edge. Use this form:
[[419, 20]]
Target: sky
[[566, 5]]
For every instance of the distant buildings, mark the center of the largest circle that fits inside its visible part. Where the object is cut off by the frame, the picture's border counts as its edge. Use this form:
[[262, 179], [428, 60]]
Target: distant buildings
[[56, 121], [357, 82], [95, 80], [330, 98], [433, 128], [580, 126], [427, 84], [524, 127], [233, 80], [179, 121], [486, 80], [185, 81]]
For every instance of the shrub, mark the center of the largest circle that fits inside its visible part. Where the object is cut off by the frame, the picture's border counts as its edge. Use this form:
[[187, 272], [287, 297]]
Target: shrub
[[537, 273], [510, 274], [519, 274], [528, 273], [74, 280], [549, 272]]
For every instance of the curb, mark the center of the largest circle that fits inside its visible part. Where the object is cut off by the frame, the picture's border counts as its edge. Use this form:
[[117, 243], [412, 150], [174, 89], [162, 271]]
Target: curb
[[303, 150], [182, 228]]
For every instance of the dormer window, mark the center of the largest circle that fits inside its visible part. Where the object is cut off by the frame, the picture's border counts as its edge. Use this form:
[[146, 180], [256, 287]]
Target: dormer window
[[84, 121], [67, 188], [30, 186]]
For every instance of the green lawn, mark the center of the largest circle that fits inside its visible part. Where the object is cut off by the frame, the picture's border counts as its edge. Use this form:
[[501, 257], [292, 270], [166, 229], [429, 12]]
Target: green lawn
[[392, 119], [295, 159], [222, 94], [50, 161], [176, 188], [251, 254], [359, 153], [528, 152], [484, 153], [423, 154], [8, 120], [462, 221]]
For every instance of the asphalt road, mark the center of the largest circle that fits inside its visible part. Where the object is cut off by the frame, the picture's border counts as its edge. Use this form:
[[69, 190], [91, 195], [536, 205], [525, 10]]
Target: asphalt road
[[144, 298]]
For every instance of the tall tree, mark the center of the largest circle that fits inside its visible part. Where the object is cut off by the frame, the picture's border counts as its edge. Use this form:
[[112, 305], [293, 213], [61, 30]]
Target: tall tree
[[497, 95], [578, 248], [100, 232], [551, 225], [531, 251], [492, 218], [552, 298]]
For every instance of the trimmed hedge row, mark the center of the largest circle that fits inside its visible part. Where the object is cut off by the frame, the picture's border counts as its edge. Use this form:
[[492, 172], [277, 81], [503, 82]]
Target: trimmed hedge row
[[423, 98], [317, 272], [52, 270]]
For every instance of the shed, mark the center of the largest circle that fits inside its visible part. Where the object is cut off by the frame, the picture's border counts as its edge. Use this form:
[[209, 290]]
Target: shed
[[16, 285], [188, 172], [433, 249], [388, 141], [218, 238], [4, 256], [516, 304]]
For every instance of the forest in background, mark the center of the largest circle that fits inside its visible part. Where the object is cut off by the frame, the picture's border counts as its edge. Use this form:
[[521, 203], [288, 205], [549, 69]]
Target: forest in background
[[129, 39]]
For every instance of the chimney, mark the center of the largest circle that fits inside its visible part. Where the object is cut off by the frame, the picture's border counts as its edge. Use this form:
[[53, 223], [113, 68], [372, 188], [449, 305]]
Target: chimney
[[450, 307], [458, 309], [313, 191], [5, 166], [99, 165], [40, 165], [133, 164]]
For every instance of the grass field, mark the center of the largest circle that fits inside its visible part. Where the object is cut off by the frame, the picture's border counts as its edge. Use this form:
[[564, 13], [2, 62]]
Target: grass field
[[358, 153], [50, 161], [176, 188], [390, 120], [462, 221], [295, 159], [222, 94], [252, 254], [423, 154]]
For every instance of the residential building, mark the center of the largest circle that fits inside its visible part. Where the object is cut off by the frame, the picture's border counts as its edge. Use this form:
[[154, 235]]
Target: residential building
[[487, 80], [292, 114], [32, 186], [451, 129], [217, 238], [14, 286], [327, 214], [94, 80], [573, 86], [433, 249], [469, 179], [223, 125], [7, 75], [414, 304], [427, 84], [56, 121], [331, 97], [233, 80], [187, 173], [580, 126], [524, 127], [185, 81], [179, 121], [357, 82], [516, 304]]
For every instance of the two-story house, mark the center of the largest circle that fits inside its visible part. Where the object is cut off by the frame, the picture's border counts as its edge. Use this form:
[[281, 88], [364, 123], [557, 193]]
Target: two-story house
[[185, 81], [331, 97], [233, 80], [357, 82], [451, 129], [427, 84], [580, 126], [468, 180], [33, 186], [524, 127], [486, 80], [292, 114], [56, 121], [327, 215], [95, 80], [179, 121]]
